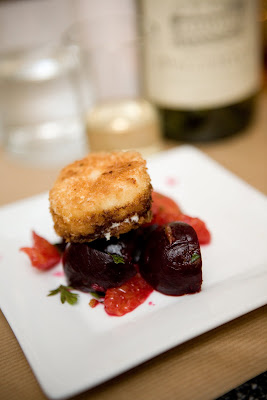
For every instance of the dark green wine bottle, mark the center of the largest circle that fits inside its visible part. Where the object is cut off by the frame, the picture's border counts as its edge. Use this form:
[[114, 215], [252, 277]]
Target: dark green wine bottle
[[204, 125], [202, 65]]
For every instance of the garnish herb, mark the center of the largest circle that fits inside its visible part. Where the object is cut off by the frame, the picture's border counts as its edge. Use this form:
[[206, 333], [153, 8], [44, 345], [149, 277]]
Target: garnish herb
[[96, 295], [195, 257], [65, 294], [117, 259]]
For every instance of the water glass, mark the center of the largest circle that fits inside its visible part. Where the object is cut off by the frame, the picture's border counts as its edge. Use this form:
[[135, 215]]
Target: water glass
[[40, 106]]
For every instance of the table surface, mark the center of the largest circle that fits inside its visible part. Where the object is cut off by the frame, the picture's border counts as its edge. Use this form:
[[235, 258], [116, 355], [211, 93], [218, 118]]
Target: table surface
[[203, 368]]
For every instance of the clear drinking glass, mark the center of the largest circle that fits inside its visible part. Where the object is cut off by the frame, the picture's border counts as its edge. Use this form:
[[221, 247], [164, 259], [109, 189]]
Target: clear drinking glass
[[40, 106], [118, 116]]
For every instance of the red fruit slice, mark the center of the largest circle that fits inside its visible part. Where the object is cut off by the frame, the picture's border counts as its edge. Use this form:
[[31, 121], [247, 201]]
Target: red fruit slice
[[203, 234], [164, 209], [43, 255], [121, 300]]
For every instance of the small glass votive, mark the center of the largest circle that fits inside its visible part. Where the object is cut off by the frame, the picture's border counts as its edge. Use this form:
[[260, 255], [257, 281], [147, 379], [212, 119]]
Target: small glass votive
[[119, 117], [123, 125]]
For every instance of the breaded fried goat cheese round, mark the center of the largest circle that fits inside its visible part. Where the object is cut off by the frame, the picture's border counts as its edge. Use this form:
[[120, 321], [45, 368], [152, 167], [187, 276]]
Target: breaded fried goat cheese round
[[102, 195]]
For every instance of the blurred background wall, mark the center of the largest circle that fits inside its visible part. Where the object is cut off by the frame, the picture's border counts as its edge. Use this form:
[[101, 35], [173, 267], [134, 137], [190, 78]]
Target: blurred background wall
[[35, 15]]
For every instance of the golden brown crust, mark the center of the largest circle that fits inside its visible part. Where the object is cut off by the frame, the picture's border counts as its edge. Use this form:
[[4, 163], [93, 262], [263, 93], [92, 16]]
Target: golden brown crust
[[103, 194]]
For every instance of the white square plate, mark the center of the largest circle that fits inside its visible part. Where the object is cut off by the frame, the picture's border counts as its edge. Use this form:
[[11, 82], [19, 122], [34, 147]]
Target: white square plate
[[73, 348]]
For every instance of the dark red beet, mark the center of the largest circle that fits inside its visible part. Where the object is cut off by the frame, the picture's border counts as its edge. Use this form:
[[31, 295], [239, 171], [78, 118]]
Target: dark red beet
[[90, 269], [123, 246], [141, 236], [171, 261]]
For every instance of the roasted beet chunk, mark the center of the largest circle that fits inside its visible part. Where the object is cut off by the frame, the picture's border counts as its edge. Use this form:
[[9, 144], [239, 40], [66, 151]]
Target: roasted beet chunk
[[90, 269], [123, 246], [171, 261], [141, 236]]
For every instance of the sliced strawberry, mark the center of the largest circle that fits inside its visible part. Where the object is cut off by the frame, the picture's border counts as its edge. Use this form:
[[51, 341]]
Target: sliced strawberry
[[203, 234], [164, 209], [43, 255], [121, 300]]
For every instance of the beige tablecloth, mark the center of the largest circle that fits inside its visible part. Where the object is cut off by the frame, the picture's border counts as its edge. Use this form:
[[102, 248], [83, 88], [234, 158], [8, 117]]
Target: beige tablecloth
[[202, 368]]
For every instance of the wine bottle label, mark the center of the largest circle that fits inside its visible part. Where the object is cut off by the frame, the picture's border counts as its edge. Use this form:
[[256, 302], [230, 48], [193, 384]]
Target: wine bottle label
[[201, 53]]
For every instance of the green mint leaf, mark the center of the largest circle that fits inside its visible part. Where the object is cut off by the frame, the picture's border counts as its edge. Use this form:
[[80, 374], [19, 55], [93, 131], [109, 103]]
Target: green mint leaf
[[195, 257], [62, 296], [96, 295], [53, 292], [117, 259], [65, 294], [72, 298]]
